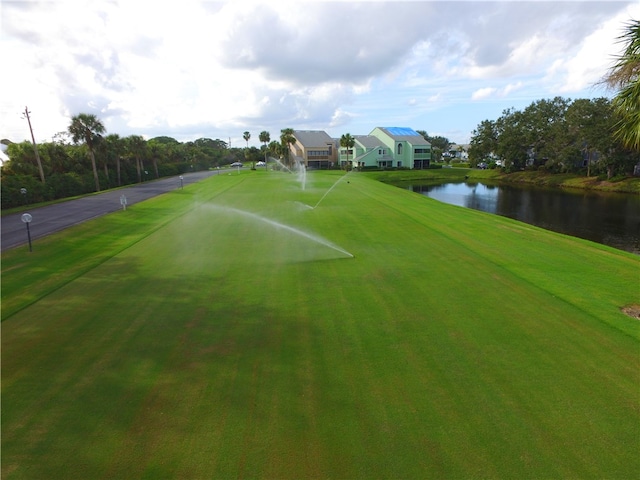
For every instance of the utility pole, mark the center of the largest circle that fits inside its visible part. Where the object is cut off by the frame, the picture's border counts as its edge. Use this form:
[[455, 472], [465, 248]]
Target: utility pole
[[35, 147]]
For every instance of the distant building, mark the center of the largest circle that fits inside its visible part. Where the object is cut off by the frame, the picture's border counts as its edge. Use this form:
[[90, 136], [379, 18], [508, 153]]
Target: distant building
[[460, 152], [388, 147], [384, 147], [314, 149]]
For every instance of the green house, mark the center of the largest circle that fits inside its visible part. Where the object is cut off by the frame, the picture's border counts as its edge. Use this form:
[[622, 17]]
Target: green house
[[388, 147]]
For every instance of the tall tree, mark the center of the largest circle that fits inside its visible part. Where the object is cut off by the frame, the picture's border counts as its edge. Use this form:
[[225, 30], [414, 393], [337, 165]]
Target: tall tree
[[286, 140], [347, 141], [544, 125], [265, 138], [275, 148], [512, 146], [624, 76], [137, 147], [114, 146], [87, 128], [246, 136]]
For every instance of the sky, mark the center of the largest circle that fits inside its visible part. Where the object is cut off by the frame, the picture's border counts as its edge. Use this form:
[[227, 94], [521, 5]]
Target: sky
[[191, 69]]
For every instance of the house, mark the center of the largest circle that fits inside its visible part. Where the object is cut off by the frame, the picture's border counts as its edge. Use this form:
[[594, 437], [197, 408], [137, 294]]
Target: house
[[314, 149], [460, 152], [384, 147], [388, 147]]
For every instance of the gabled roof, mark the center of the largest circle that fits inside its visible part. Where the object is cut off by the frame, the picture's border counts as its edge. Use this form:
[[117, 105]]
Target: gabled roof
[[457, 147], [404, 134], [313, 138], [368, 141]]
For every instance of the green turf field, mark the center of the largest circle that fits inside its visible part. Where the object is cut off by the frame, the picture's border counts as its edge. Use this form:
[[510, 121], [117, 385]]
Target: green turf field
[[256, 325]]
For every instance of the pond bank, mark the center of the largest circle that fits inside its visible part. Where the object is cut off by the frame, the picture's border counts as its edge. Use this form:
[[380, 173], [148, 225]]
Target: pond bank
[[539, 179]]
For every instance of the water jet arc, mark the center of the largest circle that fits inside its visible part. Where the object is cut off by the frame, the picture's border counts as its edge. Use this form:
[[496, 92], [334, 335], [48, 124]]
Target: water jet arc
[[287, 228]]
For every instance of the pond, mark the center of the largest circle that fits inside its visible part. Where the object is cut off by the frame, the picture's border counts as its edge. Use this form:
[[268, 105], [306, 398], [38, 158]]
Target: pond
[[612, 219]]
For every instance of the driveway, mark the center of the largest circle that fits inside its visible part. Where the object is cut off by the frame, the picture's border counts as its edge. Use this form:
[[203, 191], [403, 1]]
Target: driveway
[[53, 218]]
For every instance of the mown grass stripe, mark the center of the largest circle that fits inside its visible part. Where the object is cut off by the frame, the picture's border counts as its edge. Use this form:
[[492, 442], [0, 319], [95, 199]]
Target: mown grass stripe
[[219, 346]]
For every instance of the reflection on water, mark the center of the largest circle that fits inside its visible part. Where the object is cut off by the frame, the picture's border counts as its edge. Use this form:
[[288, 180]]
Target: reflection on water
[[607, 218]]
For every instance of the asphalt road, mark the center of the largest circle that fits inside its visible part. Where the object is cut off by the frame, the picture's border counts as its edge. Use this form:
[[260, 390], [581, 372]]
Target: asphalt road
[[53, 218]]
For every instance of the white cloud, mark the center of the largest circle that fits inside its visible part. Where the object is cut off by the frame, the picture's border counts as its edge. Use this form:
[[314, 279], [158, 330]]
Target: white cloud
[[488, 92], [218, 68], [483, 93], [594, 57]]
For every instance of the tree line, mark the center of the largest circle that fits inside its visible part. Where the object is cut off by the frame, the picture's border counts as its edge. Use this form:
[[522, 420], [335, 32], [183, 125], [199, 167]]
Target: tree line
[[557, 135], [84, 159]]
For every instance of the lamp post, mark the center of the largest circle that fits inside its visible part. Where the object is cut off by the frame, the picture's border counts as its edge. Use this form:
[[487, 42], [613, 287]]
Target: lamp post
[[181, 182], [23, 191], [26, 218]]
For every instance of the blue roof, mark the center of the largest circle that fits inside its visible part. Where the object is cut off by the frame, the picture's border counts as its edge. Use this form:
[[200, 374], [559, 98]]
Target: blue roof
[[401, 131]]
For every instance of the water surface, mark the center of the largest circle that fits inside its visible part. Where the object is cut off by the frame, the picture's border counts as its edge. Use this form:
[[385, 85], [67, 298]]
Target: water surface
[[612, 219]]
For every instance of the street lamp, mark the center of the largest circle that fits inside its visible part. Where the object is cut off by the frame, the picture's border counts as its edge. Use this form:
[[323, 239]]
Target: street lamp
[[26, 218], [181, 182], [23, 191]]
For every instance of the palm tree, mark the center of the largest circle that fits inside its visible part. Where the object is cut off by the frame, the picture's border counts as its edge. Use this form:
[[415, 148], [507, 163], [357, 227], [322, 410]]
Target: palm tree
[[246, 136], [114, 146], [347, 141], [87, 128], [137, 146], [265, 137], [625, 77], [275, 148], [287, 139], [155, 150]]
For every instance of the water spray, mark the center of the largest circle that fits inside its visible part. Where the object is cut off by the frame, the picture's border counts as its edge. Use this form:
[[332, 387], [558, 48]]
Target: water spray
[[281, 164], [330, 188], [287, 228]]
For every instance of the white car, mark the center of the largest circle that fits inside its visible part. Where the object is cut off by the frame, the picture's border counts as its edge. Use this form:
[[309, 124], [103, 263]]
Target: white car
[[236, 164], [260, 164]]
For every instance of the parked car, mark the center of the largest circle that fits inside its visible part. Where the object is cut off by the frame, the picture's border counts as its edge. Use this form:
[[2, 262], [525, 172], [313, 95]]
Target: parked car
[[260, 164], [236, 164]]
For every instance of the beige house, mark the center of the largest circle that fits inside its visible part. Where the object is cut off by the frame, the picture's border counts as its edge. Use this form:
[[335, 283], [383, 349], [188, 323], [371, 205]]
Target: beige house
[[314, 149]]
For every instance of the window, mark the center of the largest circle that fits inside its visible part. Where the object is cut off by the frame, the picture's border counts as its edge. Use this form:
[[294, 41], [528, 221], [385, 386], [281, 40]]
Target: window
[[399, 149], [317, 153], [381, 151]]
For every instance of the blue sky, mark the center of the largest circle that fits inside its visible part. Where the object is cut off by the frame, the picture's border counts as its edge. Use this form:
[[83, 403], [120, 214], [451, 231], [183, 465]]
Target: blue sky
[[193, 69]]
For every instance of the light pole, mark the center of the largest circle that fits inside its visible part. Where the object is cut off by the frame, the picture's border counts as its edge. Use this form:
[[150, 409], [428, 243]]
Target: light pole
[[26, 218], [23, 191], [181, 182]]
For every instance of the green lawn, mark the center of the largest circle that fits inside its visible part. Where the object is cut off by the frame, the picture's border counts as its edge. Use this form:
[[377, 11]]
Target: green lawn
[[228, 330]]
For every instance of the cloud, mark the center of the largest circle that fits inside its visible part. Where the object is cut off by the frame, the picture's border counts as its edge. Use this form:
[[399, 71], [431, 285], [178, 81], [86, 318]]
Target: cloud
[[483, 93], [214, 68], [488, 92], [594, 57], [312, 43]]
